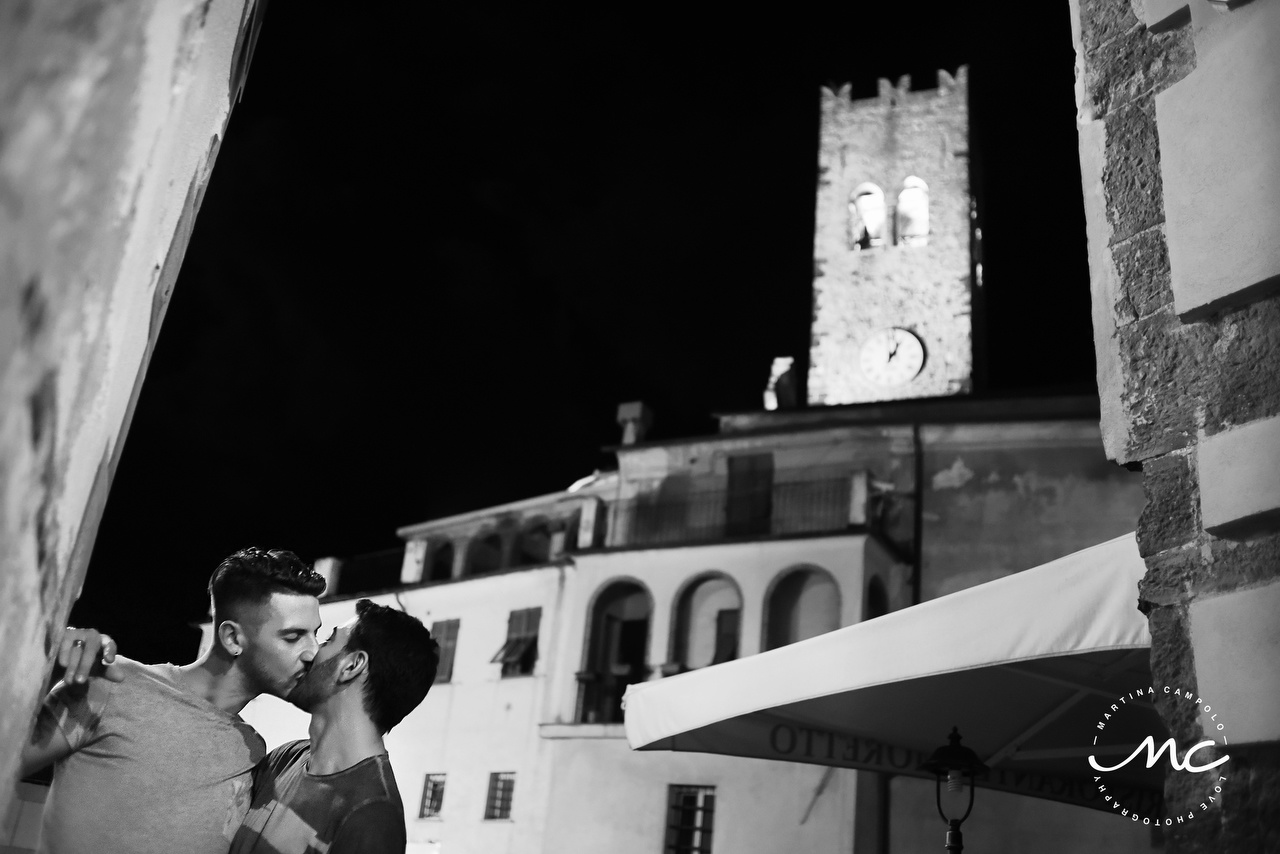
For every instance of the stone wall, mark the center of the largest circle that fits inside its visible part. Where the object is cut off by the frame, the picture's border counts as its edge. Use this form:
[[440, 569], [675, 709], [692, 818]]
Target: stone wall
[[1180, 155], [110, 119], [900, 279]]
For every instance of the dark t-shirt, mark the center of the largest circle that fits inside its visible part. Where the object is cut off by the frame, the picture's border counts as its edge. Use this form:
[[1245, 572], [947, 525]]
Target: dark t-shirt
[[355, 811]]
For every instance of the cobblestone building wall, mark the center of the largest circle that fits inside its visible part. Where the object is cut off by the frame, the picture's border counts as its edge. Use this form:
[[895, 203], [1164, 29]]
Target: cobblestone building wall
[[898, 278], [1179, 141]]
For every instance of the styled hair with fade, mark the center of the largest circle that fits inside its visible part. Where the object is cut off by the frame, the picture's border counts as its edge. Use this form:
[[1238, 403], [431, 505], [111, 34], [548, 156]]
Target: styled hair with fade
[[402, 661], [251, 575]]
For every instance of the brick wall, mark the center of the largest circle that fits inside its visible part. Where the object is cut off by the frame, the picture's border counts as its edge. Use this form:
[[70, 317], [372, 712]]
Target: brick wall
[[1179, 135]]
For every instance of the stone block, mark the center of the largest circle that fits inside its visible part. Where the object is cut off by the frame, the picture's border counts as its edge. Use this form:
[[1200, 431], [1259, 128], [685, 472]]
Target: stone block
[[1239, 474], [1171, 577], [1246, 362], [1131, 177], [1169, 517], [1137, 63], [1104, 20], [1235, 639], [1142, 264], [1233, 565], [1174, 666], [1184, 793], [1163, 365], [1219, 130]]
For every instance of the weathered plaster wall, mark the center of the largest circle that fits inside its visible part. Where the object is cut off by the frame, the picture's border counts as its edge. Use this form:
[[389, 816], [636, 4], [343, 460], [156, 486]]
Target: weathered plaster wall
[[1001, 498], [922, 288], [110, 118], [1178, 146]]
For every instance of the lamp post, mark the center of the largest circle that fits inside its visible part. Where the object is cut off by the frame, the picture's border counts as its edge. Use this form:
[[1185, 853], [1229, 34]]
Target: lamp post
[[954, 762]]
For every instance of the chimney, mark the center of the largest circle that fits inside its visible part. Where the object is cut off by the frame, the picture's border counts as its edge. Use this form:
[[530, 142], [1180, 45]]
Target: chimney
[[635, 419]]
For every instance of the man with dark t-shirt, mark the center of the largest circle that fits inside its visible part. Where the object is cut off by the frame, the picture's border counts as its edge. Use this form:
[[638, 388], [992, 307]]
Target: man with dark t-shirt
[[335, 793]]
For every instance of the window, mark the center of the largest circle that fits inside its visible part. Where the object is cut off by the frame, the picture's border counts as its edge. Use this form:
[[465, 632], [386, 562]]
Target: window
[[501, 786], [726, 635], [690, 810], [520, 652], [866, 216], [432, 796], [445, 633], [913, 213]]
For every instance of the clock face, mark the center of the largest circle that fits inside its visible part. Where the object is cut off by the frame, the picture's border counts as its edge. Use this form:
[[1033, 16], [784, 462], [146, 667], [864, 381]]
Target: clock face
[[891, 356]]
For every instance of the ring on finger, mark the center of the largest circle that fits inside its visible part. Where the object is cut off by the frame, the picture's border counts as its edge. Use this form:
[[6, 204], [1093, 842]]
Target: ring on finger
[[77, 643]]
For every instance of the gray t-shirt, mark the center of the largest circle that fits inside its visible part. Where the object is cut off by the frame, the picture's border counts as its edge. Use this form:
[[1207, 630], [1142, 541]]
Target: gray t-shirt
[[155, 769]]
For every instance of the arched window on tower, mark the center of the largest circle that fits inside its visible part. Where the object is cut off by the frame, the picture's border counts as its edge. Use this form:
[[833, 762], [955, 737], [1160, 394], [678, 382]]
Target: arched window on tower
[[708, 620], [441, 563], [617, 654], [804, 603], [912, 215], [866, 216]]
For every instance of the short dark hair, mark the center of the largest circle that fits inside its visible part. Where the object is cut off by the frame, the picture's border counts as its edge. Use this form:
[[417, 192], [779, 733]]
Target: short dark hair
[[402, 661], [251, 575]]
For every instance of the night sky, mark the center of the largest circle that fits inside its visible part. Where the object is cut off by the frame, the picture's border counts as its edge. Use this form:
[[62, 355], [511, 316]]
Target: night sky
[[439, 248]]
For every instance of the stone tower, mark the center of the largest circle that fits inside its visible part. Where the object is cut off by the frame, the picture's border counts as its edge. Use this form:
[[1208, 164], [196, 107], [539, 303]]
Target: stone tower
[[892, 245]]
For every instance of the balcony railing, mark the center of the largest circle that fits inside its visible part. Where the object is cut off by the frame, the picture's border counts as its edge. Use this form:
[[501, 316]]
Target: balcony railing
[[669, 515]]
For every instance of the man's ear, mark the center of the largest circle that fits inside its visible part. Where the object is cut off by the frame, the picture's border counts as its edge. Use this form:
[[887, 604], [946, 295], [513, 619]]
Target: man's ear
[[354, 663], [232, 637]]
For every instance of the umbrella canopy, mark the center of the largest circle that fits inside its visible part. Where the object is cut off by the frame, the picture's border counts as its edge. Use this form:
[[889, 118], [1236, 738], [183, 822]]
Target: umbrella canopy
[[1026, 666]]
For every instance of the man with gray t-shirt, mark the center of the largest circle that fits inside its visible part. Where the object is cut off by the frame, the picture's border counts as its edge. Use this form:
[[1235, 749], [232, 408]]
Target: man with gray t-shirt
[[150, 740], [155, 758]]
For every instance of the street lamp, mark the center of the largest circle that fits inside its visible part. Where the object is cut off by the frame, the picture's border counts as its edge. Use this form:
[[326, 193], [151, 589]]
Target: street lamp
[[955, 763]]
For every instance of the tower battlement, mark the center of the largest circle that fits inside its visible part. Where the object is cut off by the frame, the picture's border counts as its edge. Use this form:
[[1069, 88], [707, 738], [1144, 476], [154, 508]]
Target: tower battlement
[[902, 92]]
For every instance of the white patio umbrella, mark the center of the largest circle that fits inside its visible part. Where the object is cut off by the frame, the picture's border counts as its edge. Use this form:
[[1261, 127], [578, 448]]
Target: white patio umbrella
[[1026, 666]]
